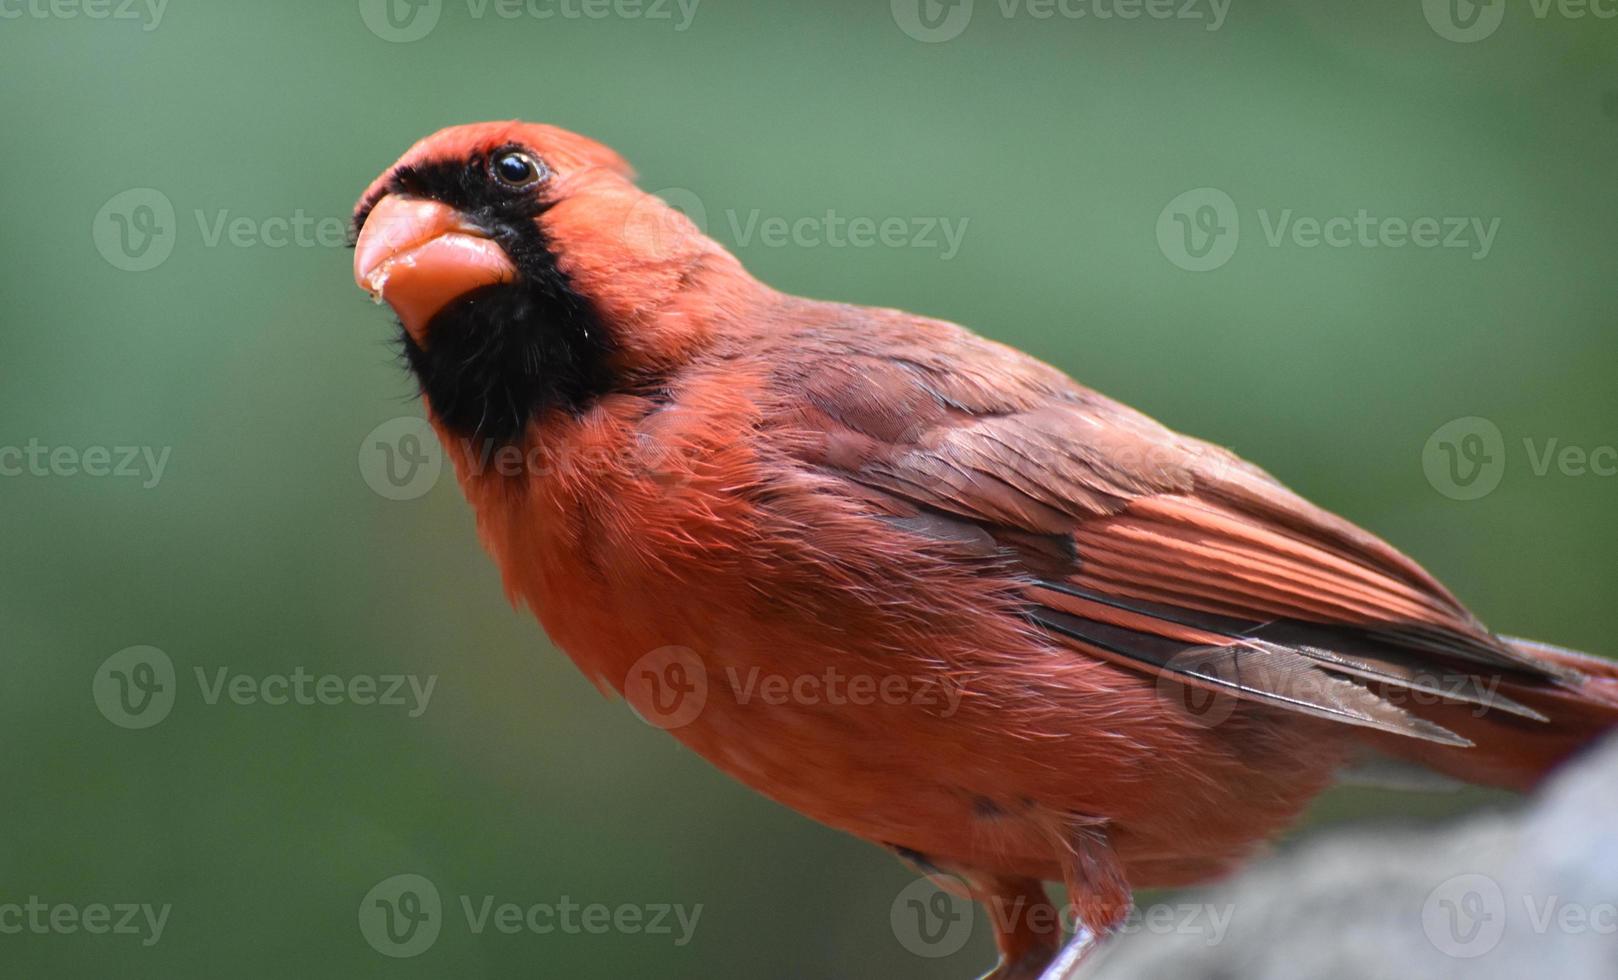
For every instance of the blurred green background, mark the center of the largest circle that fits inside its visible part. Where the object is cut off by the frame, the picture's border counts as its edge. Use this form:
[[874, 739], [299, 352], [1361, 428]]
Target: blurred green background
[[1057, 141]]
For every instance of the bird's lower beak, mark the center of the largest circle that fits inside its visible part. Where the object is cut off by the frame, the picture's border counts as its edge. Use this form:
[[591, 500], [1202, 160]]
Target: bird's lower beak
[[420, 255]]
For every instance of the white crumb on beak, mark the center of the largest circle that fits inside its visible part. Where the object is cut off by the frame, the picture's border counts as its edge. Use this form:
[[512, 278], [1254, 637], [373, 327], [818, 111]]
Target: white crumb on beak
[[378, 281]]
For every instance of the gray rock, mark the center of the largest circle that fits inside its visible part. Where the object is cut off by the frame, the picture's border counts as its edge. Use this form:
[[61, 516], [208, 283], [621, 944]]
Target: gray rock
[[1531, 895]]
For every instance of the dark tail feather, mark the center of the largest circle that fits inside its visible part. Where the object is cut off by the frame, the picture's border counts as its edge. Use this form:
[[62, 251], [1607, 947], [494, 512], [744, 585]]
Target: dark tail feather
[[1511, 751]]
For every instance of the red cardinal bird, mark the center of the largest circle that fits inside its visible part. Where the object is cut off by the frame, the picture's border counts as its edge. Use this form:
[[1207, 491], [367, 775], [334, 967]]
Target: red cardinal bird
[[695, 482]]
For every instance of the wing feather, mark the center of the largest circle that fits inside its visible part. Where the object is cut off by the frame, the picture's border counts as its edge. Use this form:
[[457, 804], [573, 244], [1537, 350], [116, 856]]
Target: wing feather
[[1147, 548]]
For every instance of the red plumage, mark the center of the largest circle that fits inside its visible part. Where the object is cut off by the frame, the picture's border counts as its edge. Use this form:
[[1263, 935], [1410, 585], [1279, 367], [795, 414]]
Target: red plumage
[[782, 487]]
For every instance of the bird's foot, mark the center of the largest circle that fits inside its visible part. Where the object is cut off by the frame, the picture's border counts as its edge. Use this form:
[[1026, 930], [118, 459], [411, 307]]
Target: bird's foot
[[1040, 964], [1030, 966], [1067, 962]]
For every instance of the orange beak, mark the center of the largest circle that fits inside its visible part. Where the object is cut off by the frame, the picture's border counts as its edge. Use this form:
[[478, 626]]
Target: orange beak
[[419, 256]]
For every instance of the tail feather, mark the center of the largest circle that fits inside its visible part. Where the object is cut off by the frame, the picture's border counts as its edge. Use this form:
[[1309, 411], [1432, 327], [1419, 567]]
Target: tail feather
[[1514, 752]]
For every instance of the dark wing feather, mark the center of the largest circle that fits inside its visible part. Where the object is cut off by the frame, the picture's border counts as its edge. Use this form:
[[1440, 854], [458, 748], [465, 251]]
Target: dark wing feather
[[1142, 546]]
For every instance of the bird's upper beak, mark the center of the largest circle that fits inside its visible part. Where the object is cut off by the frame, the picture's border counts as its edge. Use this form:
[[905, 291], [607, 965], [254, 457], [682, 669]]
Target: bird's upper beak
[[420, 255]]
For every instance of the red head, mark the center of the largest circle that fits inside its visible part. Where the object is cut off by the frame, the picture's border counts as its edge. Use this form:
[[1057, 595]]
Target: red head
[[527, 270]]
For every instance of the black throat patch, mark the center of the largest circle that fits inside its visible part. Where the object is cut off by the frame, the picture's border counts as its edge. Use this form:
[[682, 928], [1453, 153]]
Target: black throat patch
[[500, 356]]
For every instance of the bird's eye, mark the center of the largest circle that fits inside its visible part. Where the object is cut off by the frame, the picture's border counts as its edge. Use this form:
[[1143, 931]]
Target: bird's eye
[[516, 169]]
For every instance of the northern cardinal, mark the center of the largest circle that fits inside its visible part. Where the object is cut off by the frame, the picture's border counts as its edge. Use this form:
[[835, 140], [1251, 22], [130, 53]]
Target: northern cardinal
[[1095, 650]]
